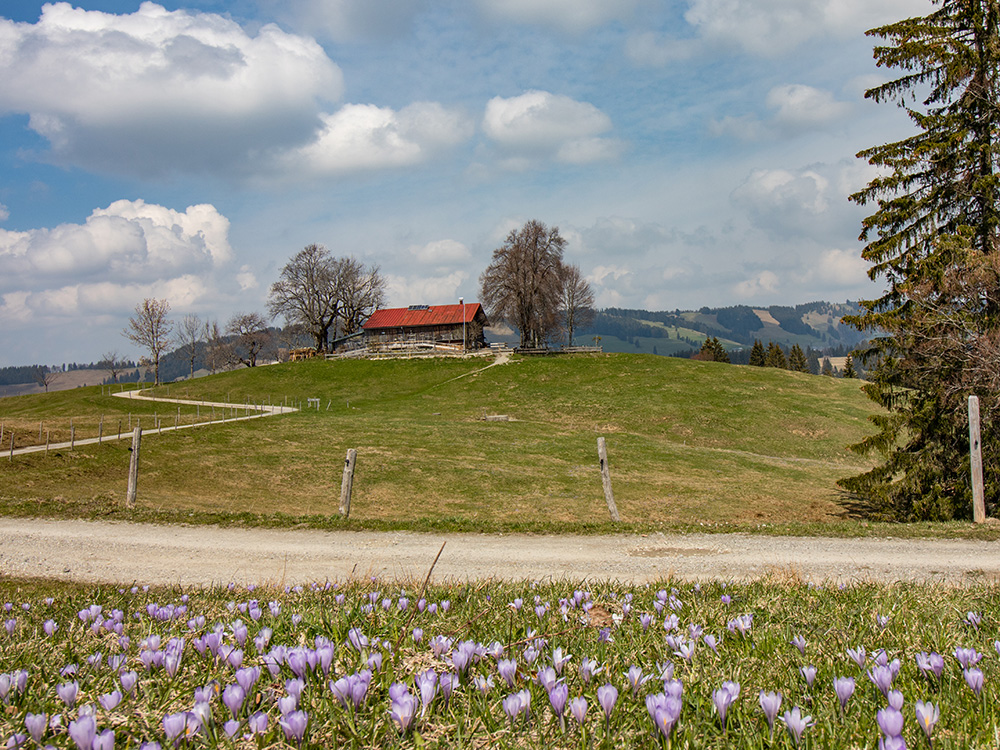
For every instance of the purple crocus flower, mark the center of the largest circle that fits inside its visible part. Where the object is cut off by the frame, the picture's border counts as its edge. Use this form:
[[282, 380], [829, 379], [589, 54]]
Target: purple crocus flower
[[844, 688], [974, 679], [402, 711], [770, 704], [558, 696], [36, 724], [50, 627], [890, 722], [448, 682], [607, 696], [927, 716], [546, 677], [294, 725], [110, 701], [82, 732], [895, 699], [233, 697], [967, 657], [665, 709], [578, 709], [67, 692], [858, 656], [231, 727], [512, 706], [800, 643], [507, 668], [722, 698], [104, 741], [257, 723], [796, 724], [882, 677], [173, 725], [588, 668], [808, 673], [427, 684], [712, 642], [357, 639]]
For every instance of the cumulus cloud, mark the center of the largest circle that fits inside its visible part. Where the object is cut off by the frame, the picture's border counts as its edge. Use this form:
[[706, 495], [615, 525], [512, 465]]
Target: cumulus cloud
[[541, 125], [770, 28], [837, 268], [129, 241], [364, 136], [763, 283], [417, 289], [798, 106], [785, 203], [157, 91], [441, 253], [571, 16]]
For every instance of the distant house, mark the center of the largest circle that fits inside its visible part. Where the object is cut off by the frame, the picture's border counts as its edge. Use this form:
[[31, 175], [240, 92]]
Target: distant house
[[427, 324]]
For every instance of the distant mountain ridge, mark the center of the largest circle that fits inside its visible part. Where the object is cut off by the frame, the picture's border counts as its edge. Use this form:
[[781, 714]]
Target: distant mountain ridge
[[818, 325]]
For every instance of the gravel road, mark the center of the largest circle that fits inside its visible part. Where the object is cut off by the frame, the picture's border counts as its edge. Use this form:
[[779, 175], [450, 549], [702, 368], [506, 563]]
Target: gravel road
[[203, 555]]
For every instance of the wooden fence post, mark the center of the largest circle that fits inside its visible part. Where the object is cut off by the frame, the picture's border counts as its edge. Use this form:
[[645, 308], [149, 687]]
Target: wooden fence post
[[11, 446], [976, 454], [133, 469], [347, 482], [72, 435], [609, 496], [100, 430]]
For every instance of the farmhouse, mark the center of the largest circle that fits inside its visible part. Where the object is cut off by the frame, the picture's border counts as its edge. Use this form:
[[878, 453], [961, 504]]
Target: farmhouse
[[437, 325]]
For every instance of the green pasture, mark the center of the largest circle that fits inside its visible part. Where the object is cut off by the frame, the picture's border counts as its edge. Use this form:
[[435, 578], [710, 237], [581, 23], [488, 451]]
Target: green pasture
[[690, 444]]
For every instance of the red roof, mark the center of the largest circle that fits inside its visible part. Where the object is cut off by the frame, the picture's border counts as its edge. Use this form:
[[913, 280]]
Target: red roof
[[423, 315]]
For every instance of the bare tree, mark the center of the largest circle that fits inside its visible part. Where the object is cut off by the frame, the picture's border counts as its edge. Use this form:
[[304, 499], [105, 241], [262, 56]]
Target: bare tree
[[577, 303], [522, 284], [45, 376], [362, 291], [216, 347], [189, 334], [307, 293], [252, 337], [112, 362], [150, 329]]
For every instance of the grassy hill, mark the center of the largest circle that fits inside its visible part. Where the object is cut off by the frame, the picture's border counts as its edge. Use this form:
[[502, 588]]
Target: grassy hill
[[689, 442]]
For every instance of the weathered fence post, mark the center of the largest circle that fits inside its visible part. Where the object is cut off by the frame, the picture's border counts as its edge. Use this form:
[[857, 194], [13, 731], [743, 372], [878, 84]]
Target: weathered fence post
[[47, 435], [609, 496], [100, 430], [11, 459], [976, 453], [348, 482], [72, 435], [133, 469]]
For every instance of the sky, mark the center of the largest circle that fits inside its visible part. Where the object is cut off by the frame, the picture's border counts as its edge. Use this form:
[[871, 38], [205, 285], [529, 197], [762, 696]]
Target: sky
[[691, 152]]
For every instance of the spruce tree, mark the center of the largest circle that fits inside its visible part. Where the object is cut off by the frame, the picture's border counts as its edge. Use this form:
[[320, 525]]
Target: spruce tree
[[933, 237], [849, 371], [757, 355], [827, 368], [797, 361], [775, 356]]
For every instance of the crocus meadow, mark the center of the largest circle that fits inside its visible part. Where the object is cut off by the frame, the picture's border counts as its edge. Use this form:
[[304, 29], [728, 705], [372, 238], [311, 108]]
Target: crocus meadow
[[373, 663]]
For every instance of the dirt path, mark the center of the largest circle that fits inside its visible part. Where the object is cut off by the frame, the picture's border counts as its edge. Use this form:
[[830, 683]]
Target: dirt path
[[203, 555]]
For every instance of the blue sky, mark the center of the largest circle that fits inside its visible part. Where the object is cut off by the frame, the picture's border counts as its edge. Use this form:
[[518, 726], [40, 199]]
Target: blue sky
[[697, 152]]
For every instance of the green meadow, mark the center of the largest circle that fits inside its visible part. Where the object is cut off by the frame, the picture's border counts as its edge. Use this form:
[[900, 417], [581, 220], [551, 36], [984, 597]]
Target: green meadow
[[691, 444]]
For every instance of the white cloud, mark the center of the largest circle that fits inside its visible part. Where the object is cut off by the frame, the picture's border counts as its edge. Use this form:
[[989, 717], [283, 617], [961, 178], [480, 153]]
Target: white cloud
[[572, 16], [4, 212], [785, 203], [538, 124], [442, 253], [159, 91], [770, 28], [797, 106], [425, 290], [839, 268], [129, 242], [763, 283], [363, 136]]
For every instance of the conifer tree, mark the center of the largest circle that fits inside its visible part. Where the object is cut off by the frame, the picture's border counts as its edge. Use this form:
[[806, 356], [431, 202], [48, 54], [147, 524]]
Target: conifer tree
[[935, 228], [757, 355], [849, 371], [827, 367], [775, 356], [797, 361]]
